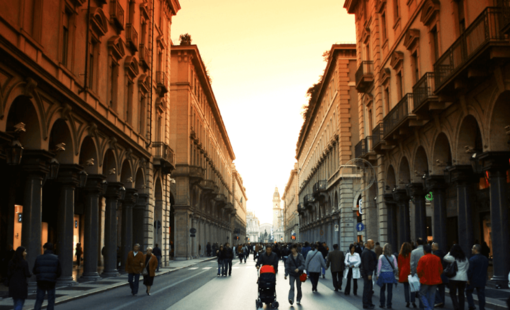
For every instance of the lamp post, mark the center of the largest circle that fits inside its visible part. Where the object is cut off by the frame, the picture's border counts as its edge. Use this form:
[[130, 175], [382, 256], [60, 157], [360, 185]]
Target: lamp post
[[82, 175], [54, 166], [13, 153]]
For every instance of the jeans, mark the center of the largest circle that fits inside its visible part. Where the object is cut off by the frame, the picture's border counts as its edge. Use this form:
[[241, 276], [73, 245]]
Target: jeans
[[480, 291], [18, 304], [40, 298], [134, 280], [458, 304], [382, 298], [293, 279], [314, 278], [159, 262], [427, 296], [337, 279], [407, 293], [220, 264], [355, 283], [241, 256], [440, 294], [227, 266], [368, 287]]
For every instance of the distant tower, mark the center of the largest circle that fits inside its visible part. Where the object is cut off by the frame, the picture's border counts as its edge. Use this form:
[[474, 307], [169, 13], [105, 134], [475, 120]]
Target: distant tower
[[276, 209]]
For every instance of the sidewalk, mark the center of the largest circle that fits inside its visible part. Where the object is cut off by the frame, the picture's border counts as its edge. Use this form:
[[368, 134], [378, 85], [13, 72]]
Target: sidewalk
[[65, 294]]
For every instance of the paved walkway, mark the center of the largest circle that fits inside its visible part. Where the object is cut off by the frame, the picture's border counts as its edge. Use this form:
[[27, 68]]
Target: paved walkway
[[65, 294]]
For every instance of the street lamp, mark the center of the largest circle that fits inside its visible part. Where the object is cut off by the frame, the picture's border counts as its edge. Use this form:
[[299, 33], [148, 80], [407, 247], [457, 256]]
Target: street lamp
[[13, 153], [83, 178], [104, 187], [122, 191], [476, 165], [54, 165]]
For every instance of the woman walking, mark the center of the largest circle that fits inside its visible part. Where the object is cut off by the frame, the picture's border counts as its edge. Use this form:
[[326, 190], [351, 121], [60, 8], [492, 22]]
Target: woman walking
[[457, 283], [314, 263], [294, 266], [219, 254], [17, 274], [78, 253], [151, 263], [386, 271], [404, 268], [352, 263]]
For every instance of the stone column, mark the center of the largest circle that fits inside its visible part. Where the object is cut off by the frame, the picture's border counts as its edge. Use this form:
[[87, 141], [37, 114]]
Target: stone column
[[416, 191], [113, 195], [437, 185], [91, 231], [497, 164], [182, 249], [404, 223], [139, 211], [68, 178], [127, 227], [391, 222], [34, 163]]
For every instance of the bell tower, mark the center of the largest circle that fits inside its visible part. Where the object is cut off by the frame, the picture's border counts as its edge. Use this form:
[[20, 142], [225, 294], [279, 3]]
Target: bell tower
[[276, 208]]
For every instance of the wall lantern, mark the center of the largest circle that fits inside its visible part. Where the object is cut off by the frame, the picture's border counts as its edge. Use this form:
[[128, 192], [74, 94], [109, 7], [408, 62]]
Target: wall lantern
[[104, 187], [54, 165], [13, 153], [122, 191], [475, 164], [82, 176], [448, 174]]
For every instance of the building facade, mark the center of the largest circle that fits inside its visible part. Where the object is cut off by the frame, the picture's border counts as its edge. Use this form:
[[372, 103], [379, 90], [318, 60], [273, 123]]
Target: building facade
[[266, 230], [434, 116], [290, 207], [240, 199], [325, 144], [76, 98], [252, 227]]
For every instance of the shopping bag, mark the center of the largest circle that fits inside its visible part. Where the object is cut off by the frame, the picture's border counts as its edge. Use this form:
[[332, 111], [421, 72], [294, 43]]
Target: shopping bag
[[414, 283], [303, 277]]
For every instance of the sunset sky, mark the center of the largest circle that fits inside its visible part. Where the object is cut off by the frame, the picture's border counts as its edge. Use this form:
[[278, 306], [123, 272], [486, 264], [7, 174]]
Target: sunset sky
[[262, 56]]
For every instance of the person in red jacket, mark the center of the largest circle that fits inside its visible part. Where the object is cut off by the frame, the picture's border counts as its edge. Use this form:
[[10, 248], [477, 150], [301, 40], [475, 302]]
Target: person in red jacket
[[429, 271], [404, 269]]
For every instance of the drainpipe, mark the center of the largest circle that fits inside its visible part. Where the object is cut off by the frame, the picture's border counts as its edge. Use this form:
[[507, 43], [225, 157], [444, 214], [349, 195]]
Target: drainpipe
[[152, 81], [85, 87]]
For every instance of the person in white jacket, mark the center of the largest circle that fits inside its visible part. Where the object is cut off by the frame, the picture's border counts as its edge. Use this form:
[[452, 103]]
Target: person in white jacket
[[351, 271], [457, 283]]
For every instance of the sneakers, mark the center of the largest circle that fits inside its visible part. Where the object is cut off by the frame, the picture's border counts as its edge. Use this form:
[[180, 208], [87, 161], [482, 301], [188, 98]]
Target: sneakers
[[298, 302], [290, 302]]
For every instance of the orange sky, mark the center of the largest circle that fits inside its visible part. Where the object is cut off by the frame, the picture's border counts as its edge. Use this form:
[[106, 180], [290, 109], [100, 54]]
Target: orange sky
[[262, 56]]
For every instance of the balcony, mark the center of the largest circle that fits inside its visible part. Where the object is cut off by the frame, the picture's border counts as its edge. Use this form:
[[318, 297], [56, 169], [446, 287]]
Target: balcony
[[301, 209], [132, 37], [398, 122], [207, 185], [365, 76], [425, 100], [117, 14], [196, 174], [144, 55], [364, 149], [472, 53], [162, 83], [319, 187], [378, 138], [164, 156], [309, 200]]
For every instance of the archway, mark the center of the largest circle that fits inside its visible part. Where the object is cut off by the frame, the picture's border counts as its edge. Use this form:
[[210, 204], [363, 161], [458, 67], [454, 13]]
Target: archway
[[442, 155], [110, 166], [499, 122], [23, 111], [421, 165], [404, 175], [61, 142], [390, 178], [88, 156], [469, 141]]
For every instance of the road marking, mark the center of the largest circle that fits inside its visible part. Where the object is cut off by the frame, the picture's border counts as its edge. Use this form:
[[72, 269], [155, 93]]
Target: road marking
[[207, 268], [159, 291], [193, 268]]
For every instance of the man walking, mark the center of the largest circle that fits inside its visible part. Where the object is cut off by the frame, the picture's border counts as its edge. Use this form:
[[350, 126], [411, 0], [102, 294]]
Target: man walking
[[416, 254], [47, 270], [440, 293], [368, 265], [305, 249], [208, 249], [268, 258], [157, 252], [477, 277], [229, 256], [429, 271], [134, 266], [336, 259]]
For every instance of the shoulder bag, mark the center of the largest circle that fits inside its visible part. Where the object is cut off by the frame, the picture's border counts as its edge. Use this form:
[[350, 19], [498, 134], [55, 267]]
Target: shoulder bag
[[451, 270], [145, 272]]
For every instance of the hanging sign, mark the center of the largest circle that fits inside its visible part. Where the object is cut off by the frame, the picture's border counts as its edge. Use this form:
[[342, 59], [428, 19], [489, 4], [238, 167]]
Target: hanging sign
[[360, 204], [429, 196], [336, 227], [360, 227]]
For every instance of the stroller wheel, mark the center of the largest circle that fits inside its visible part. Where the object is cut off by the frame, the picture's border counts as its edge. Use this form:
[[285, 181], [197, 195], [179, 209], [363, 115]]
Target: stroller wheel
[[258, 304], [275, 305]]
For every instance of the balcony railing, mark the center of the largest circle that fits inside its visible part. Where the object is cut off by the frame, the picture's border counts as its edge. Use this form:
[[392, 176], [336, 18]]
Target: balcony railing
[[196, 172], [163, 154], [117, 13], [363, 147], [365, 76], [377, 135], [398, 114], [161, 81], [320, 186], [132, 37], [309, 199], [423, 90], [504, 5], [143, 53], [485, 30]]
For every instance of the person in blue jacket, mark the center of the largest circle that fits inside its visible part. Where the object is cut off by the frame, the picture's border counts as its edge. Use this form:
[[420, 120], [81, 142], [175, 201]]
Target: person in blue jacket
[[305, 249], [477, 277]]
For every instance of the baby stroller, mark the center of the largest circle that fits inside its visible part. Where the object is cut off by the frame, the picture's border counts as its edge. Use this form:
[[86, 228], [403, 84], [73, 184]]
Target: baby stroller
[[267, 287]]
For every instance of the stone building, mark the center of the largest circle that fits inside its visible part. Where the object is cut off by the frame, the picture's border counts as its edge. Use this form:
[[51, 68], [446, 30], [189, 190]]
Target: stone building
[[290, 203], [326, 142], [76, 86], [434, 118], [207, 184], [240, 199], [277, 217], [252, 227]]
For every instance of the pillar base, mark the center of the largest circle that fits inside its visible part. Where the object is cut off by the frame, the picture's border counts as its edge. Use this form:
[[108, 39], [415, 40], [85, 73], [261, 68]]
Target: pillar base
[[110, 274], [495, 281], [181, 258], [67, 281], [90, 277]]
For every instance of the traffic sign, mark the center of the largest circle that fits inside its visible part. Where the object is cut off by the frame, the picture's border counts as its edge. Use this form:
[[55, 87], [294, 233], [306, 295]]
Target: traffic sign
[[336, 227], [360, 227], [193, 230]]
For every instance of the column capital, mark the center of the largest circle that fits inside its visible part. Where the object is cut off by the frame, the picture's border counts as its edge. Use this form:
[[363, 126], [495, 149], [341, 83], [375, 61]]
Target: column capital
[[142, 201], [433, 182], [400, 195], [495, 161], [94, 183], [131, 197], [388, 199], [69, 174], [114, 190], [415, 190], [36, 162]]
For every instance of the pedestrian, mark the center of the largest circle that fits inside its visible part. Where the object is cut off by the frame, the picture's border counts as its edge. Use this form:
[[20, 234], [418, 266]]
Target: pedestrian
[[440, 293], [47, 270], [149, 271], [268, 258], [208, 249], [416, 254], [306, 249], [387, 268], [323, 248], [378, 249], [157, 252], [240, 253], [17, 275], [256, 252], [368, 265], [352, 263], [313, 264], [404, 269], [294, 266], [227, 258], [457, 284], [78, 252], [219, 255], [429, 271], [134, 267], [336, 259], [214, 248], [246, 252], [477, 277]]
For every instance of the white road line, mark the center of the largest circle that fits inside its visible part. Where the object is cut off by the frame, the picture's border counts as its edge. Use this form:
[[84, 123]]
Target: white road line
[[193, 268], [207, 268], [159, 291]]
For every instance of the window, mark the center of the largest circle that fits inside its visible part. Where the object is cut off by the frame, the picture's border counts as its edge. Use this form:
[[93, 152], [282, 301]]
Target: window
[[92, 64], [461, 17], [397, 10], [141, 115], [370, 123], [114, 71], [415, 67], [129, 104], [386, 100], [383, 27], [65, 38], [367, 50], [435, 43], [400, 87]]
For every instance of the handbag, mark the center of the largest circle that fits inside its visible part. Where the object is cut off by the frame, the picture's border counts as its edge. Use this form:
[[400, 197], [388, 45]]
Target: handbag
[[145, 272], [451, 270], [414, 283], [303, 277]]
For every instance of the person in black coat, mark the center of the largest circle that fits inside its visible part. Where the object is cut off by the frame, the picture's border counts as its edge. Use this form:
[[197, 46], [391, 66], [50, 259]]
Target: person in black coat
[[17, 274], [208, 248], [368, 265], [47, 269], [157, 252], [440, 293], [228, 256], [268, 258], [477, 277]]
